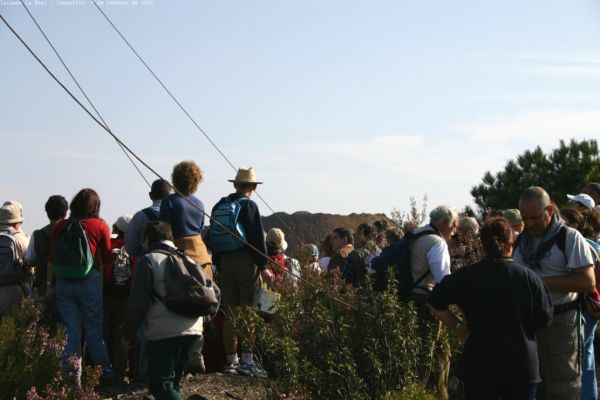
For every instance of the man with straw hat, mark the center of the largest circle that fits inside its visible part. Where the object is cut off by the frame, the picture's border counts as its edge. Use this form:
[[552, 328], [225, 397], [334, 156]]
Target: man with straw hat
[[240, 260], [13, 245]]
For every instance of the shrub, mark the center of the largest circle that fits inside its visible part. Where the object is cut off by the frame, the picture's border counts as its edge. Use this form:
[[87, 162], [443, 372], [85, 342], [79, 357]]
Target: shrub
[[30, 362], [363, 345]]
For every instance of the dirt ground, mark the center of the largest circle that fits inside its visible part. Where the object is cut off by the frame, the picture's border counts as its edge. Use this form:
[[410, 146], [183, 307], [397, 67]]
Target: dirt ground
[[203, 386]]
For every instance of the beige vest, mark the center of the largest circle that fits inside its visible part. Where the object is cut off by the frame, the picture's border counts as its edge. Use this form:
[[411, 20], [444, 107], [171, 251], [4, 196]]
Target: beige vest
[[418, 260]]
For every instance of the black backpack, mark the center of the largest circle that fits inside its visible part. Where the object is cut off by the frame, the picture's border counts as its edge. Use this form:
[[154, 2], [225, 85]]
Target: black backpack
[[397, 257], [189, 292], [12, 269]]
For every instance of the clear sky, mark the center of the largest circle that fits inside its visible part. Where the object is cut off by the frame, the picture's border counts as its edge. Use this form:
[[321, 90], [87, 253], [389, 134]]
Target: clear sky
[[340, 106]]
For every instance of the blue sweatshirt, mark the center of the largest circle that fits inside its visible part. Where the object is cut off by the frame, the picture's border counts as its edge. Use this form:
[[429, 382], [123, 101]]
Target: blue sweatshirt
[[185, 219]]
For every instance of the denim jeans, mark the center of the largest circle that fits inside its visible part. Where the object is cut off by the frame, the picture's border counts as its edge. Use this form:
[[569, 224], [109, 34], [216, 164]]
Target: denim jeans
[[589, 388], [79, 304]]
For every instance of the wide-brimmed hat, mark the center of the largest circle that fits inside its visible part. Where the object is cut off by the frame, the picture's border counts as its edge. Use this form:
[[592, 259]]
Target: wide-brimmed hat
[[276, 239], [513, 216], [11, 213], [245, 175], [584, 199]]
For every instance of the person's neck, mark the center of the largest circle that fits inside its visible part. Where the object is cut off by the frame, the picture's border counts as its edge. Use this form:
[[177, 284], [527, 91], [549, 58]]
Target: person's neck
[[245, 193]]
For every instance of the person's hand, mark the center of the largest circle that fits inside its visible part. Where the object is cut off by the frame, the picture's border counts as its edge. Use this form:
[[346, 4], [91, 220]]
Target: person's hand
[[267, 276], [462, 331]]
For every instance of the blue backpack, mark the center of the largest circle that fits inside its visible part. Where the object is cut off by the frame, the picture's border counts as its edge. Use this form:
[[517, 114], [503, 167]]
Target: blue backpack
[[226, 215]]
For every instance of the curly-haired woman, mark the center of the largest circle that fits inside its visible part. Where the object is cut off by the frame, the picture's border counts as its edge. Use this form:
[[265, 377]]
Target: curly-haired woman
[[185, 213]]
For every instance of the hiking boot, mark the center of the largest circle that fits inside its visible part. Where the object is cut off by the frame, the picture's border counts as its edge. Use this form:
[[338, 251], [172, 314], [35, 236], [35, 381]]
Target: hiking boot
[[231, 368], [251, 369]]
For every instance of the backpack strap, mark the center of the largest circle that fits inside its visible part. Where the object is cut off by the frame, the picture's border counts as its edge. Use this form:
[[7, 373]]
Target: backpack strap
[[151, 214]]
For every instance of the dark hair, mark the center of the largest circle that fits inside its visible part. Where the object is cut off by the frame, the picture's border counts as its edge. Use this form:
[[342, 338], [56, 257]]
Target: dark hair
[[367, 229], [591, 226], [160, 189], [186, 177], [592, 187], [345, 233], [325, 246], [496, 235], [381, 225], [56, 207], [86, 203], [572, 216], [244, 186], [157, 231]]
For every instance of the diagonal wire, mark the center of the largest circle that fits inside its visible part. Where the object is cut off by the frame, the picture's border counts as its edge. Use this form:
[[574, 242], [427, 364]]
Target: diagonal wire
[[189, 116], [81, 89], [141, 161]]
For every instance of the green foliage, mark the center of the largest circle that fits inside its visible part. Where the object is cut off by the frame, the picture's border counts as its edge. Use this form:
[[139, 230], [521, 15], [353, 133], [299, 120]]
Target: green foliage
[[564, 170], [362, 346], [30, 362], [411, 392]]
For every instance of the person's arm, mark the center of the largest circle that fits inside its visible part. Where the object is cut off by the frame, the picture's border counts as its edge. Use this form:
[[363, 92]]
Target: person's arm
[[250, 219], [30, 256], [580, 280], [451, 321], [133, 234], [103, 250], [139, 299], [438, 259], [542, 303]]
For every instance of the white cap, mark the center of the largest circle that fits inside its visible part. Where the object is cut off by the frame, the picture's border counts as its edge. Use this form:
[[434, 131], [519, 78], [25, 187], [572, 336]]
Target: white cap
[[584, 199]]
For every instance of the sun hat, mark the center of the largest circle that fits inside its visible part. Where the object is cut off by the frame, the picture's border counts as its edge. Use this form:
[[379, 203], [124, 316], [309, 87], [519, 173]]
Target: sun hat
[[276, 239], [584, 199], [10, 213], [245, 175], [513, 216], [123, 222], [312, 250]]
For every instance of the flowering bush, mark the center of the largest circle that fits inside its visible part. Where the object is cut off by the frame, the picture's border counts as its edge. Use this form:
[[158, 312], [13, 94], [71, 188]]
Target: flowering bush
[[30, 362]]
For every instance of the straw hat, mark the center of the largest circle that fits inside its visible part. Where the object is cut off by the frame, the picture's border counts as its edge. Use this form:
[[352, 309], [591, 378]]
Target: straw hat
[[513, 216], [245, 175], [11, 213], [276, 239]]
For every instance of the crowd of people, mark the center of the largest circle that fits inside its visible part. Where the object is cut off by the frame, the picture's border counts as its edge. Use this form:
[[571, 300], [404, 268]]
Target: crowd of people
[[526, 308]]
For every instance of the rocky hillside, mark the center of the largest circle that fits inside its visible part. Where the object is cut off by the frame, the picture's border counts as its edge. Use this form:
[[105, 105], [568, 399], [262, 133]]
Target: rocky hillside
[[312, 228]]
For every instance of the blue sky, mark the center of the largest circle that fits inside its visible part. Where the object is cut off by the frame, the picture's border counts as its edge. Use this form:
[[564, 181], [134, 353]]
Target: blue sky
[[340, 106]]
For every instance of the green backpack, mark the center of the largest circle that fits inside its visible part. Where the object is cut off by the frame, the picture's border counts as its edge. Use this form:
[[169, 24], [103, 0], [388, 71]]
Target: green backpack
[[73, 258]]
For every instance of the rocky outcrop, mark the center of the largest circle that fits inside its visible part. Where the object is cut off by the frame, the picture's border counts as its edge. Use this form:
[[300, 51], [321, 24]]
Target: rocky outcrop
[[304, 227]]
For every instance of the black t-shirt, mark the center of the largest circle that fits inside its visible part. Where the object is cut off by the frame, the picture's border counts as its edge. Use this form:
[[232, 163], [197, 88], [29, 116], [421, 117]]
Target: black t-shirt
[[504, 303]]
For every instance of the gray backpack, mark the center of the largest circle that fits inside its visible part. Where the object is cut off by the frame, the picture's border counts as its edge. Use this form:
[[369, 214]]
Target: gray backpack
[[11, 265], [189, 292]]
